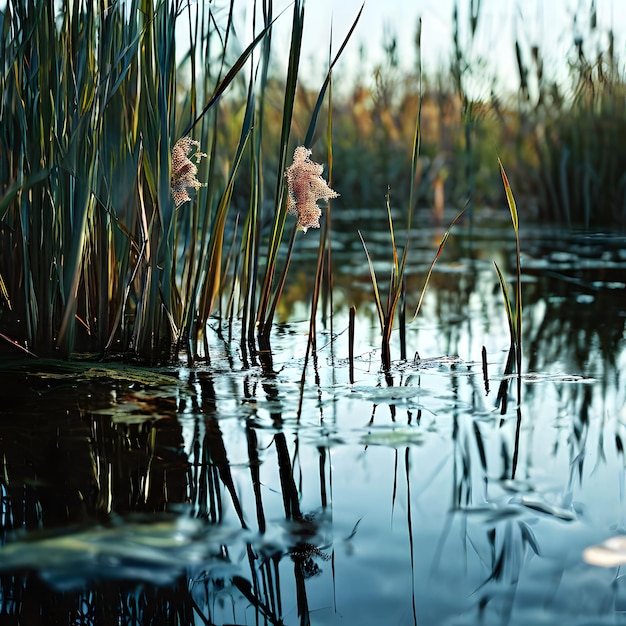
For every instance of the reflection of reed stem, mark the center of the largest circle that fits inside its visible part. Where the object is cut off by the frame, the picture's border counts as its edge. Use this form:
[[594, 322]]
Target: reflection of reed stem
[[323, 494], [351, 342], [301, 597], [216, 450], [288, 485], [265, 354], [485, 370], [409, 521], [255, 466], [518, 428], [402, 320]]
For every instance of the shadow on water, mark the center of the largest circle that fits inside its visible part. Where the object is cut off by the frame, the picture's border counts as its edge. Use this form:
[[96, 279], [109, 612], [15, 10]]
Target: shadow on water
[[233, 495]]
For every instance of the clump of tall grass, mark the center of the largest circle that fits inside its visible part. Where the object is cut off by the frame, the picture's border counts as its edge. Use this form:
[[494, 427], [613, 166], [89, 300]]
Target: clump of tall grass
[[104, 248], [577, 128], [559, 132], [97, 255], [393, 307], [90, 232]]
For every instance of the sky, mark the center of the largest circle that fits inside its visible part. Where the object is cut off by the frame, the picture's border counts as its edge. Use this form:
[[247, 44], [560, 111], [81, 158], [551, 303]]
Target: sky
[[548, 23]]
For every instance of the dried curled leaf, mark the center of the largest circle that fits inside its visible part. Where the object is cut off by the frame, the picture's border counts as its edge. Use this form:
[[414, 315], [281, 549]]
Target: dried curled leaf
[[184, 170], [306, 186]]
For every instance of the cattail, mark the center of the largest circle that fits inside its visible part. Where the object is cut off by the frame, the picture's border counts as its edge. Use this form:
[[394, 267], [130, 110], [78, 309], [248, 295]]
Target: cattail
[[306, 186], [183, 170]]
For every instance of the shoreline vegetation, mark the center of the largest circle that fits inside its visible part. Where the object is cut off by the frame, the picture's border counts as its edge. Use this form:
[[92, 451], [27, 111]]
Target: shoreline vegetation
[[95, 253]]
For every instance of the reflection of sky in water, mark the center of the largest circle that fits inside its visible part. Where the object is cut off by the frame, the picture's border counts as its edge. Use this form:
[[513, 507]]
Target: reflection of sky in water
[[482, 543], [416, 477], [373, 568], [485, 552]]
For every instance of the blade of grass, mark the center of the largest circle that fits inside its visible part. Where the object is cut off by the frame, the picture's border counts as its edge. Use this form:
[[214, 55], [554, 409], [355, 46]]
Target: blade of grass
[[17, 345], [507, 304], [518, 269], [397, 281], [252, 228], [379, 306], [213, 262], [324, 241], [444, 239], [502, 397]]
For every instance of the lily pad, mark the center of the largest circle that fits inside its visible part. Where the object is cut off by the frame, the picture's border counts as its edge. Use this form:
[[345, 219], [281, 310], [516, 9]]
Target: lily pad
[[396, 438]]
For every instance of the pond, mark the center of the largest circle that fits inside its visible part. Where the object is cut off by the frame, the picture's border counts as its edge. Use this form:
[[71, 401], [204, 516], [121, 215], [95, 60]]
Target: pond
[[225, 494]]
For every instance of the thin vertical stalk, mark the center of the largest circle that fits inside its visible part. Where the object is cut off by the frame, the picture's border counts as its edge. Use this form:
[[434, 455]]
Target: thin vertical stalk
[[351, 324], [279, 205]]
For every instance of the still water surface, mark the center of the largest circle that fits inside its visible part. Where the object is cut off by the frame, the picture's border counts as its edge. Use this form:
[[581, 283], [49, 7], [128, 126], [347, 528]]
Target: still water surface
[[224, 495]]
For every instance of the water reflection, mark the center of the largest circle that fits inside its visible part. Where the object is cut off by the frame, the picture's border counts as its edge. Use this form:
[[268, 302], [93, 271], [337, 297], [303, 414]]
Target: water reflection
[[236, 494]]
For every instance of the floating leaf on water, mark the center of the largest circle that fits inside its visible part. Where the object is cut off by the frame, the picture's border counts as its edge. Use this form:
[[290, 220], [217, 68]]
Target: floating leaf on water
[[491, 512], [534, 377], [396, 438], [542, 506], [438, 361], [129, 414], [516, 486], [326, 440], [563, 257], [138, 406], [452, 268], [610, 553], [386, 394], [585, 298], [126, 373]]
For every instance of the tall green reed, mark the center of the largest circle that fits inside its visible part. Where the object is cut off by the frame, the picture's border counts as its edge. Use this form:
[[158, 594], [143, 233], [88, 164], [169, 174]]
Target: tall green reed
[[514, 318], [265, 306], [387, 314], [513, 307], [387, 309], [93, 100], [261, 300]]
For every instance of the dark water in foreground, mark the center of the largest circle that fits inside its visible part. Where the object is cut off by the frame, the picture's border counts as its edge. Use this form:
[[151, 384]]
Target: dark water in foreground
[[220, 495]]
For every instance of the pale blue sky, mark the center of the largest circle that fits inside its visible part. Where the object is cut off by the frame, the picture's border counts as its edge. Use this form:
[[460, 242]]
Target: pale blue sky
[[547, 23]]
